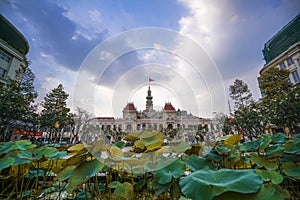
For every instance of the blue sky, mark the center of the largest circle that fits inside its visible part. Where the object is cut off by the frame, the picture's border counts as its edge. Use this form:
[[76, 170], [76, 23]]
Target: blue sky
[[63, 33]]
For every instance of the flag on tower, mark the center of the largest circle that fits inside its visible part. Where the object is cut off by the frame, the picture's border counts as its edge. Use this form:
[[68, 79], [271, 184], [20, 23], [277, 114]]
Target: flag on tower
[[150, 80]]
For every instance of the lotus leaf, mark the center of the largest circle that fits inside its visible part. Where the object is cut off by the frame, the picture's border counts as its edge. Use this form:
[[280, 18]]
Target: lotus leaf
[[74, 160], [120, 144], [150, 143], [38, 153], [269, 175], [157, 162], [82, 172], [267, 192], [292, 169], [297, 136], [279, 138], [6, 162], [114, 152], [261, 162], [162, 188], [78, 148], [18, 145], [266, 140], [232, 140], [196, 163], [179, 147], [65, 173], [223, 150], [213, 155], [174, 169], [207, 184], [253, 145], [274, 150], [122, 190], [59, 155], [292, 147]]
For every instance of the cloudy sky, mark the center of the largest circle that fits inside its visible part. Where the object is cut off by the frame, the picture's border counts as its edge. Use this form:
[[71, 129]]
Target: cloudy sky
[[104, 51]]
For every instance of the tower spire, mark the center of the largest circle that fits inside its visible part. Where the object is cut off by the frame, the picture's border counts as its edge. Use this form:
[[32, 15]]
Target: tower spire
[[149, 102]]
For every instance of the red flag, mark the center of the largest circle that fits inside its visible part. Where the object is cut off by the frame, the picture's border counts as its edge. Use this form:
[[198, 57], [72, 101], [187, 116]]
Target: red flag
[[150, 80]]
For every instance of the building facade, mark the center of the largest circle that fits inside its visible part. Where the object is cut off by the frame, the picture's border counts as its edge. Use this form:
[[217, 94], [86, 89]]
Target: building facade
[[283, 51], [167, 118], [13, 50]]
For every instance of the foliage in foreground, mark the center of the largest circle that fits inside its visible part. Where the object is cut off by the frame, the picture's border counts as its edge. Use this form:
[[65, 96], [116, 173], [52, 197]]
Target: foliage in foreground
[[262, 169]]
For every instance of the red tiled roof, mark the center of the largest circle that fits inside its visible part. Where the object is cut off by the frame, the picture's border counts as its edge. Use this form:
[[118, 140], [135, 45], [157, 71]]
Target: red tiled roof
[[168, 106], [130, 106], [105, 118]]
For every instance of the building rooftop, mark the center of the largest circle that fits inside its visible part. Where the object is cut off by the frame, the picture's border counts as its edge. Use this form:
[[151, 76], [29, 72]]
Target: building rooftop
[[169, 107], [130, 106], [281, 41], [13, 37]]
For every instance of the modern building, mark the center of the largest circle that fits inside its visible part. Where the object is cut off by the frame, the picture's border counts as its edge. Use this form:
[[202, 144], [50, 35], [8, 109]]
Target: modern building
[[167, 118], [283, 51], [13, 50]]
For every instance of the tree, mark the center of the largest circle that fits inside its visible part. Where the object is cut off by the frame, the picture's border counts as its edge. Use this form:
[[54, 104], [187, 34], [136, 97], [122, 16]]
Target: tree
[[274, 83], [248, 115], [240, 92], [16, 102], [55, 114], [282, 99]]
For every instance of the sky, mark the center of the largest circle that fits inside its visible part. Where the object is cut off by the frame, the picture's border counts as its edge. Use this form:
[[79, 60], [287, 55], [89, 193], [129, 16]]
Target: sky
[[103, 52]]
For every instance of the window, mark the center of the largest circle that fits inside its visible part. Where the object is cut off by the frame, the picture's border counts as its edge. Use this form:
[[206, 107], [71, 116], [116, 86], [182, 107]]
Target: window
[[4, 57], [288, 79], [282, 65], [296, 76], [2, 72], [290, 61]]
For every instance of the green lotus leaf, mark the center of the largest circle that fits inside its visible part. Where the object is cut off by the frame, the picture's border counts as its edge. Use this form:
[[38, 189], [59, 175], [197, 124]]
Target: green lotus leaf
[[292, 147], [261, 162], [196, 163], [6, 162], [274, 150], [82, 172], [296, 136], [18, 145], [157, 162], [65, 173], [76, 148], [267, 192], [59, 155], [292, 169], [207, 184], [122, 190], [120, 144], [250, 146], [269, 175], [279, 138], [223, 150], [149, 143], [38, 153], [289, 158], [166, 174], [18, 160], [162, 188], [265, 141], [180, 147], [213, 155]]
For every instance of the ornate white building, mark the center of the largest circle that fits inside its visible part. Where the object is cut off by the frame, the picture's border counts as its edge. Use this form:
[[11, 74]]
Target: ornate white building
[[168, 118]]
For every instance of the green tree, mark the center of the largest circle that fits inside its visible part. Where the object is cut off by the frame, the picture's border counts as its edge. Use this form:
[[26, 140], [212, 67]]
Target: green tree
[[55, 113], [240, 93], [274, 83], [282, 99], [16, 103]]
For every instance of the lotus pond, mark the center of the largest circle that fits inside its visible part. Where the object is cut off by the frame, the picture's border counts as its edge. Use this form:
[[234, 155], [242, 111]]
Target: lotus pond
[[267, 168]]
